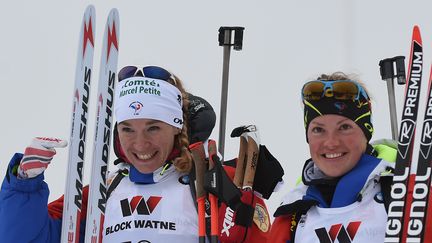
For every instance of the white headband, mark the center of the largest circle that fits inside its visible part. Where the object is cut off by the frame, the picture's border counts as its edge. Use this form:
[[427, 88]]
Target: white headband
[[142, 97]]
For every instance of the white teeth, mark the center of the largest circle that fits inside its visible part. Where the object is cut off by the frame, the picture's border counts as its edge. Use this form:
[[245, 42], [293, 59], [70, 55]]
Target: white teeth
[[144, 156], [331, 156]]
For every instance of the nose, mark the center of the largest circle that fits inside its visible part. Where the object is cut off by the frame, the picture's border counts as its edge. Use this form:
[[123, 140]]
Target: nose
[[332, 140], [141, 141]]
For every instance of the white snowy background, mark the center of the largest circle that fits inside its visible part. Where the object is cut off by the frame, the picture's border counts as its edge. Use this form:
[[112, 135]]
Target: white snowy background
[[286, 43]]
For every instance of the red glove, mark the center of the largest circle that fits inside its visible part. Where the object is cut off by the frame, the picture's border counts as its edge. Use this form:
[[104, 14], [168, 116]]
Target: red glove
[[38, 155], [257, 232]]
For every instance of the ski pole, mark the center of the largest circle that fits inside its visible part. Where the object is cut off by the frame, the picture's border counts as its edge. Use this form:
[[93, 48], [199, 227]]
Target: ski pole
[[214, 208], [227, 39], [198, 156], [387, 71]]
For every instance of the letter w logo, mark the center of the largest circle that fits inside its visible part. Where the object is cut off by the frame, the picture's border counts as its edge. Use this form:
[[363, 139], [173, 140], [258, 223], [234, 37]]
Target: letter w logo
[[338, 232], [137, 203]]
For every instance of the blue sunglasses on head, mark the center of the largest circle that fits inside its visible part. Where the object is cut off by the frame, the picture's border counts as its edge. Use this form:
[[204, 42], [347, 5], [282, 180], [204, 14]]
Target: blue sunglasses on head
[[154, 72], [337, 89]]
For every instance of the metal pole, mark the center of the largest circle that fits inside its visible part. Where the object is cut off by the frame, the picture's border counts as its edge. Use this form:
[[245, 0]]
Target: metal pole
[[224, 91], [387, 71], [392, 104], [226, 40]]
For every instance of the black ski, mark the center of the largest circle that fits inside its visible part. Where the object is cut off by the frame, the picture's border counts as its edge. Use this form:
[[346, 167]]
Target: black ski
[[397, 213], [418, 200]]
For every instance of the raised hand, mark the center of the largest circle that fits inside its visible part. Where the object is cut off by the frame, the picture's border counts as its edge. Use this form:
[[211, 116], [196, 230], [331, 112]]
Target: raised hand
[[38, 155]]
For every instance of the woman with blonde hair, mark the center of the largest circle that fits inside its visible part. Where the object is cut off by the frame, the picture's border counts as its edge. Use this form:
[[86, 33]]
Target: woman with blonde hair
[[341, 192]]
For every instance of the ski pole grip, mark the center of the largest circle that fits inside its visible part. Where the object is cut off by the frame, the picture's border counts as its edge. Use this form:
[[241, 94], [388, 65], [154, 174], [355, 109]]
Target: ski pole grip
[[251, 164], [240, 165], [212, 150], [386, 69], [198, 155], [400, 69], [236, 42], [238, 38]]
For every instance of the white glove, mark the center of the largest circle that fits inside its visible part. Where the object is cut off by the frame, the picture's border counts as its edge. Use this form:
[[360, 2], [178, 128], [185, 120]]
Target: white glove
[[38, 155]]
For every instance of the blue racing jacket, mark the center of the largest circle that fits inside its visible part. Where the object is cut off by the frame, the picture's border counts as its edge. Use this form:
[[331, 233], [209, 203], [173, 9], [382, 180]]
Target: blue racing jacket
[[23, 203]]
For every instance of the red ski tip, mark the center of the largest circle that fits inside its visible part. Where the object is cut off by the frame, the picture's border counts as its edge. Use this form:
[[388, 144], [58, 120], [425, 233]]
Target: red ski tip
[[416, 34]]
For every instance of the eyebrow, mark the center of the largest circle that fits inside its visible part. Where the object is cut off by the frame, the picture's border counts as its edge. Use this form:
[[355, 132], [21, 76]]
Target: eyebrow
[[342, 121], [150, 122], [322, 124]]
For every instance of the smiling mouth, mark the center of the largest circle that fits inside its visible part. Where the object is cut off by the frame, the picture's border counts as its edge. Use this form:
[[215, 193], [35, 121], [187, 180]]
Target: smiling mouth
[[145, 156], [333, 155]]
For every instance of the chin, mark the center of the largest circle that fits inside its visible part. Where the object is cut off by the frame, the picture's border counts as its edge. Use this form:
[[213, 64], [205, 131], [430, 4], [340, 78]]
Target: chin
[[333, 174]]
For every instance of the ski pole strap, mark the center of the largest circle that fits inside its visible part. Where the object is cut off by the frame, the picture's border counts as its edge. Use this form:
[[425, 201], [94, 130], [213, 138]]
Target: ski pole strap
[[116, 181], [245, 211], [217, 182]]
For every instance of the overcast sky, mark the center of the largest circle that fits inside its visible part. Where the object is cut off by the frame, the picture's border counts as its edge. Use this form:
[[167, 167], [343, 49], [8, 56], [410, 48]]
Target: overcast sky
[[286, 43]]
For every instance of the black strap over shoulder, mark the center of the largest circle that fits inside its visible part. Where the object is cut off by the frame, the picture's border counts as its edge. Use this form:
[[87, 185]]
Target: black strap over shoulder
[[116, 181], [386, 183], [297, 209]]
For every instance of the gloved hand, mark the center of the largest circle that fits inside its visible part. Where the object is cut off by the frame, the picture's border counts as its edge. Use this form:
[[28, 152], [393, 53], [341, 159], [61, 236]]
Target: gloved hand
[[38, 155], [386, 148], [385, 141]]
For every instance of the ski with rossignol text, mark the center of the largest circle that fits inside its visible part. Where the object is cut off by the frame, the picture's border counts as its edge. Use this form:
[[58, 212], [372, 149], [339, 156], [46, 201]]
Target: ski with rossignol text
[[397, 213], [418, 200], [427, 234], [104, 120], [73, 192]]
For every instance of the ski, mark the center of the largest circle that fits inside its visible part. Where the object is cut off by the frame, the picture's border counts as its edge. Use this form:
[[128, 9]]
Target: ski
[[73, 192], [102, 140], [418, 200], [397, 213]]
